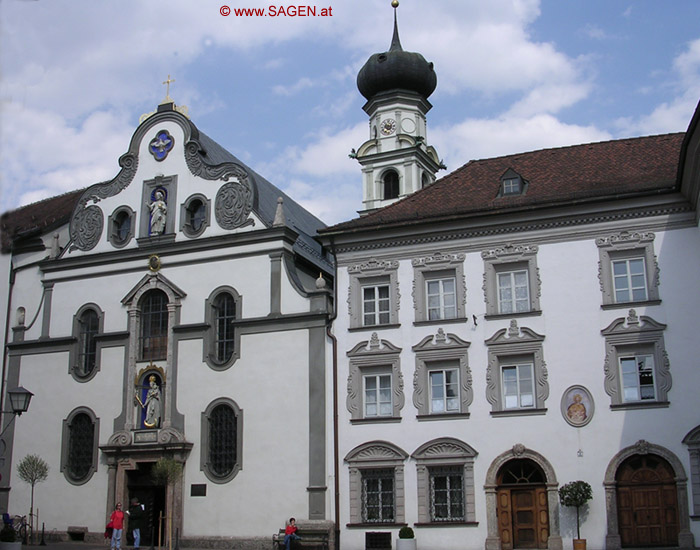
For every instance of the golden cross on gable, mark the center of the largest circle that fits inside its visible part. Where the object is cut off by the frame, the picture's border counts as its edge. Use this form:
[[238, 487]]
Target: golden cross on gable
[[167, 89]]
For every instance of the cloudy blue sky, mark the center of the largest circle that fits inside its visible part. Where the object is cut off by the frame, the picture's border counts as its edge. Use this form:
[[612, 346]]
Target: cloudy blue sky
[[280, 93]]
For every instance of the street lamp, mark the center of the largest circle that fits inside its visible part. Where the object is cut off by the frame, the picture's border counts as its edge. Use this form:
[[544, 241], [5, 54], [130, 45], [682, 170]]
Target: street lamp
[[19, 401]]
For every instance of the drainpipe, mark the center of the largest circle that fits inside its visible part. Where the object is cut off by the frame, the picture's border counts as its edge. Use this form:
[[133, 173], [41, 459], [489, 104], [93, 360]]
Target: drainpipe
[[336, 458]]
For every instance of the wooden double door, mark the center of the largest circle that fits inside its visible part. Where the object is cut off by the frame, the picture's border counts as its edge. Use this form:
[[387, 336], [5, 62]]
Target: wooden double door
[[523, 520], [647, 502]]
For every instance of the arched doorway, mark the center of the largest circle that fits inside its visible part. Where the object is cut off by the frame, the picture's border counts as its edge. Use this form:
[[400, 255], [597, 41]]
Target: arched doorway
[[647, 502], [522, 507]]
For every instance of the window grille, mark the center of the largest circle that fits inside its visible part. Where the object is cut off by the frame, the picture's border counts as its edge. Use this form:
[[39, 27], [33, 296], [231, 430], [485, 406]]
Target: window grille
[[80, 446], [154, 326], [446, 494], [222, 440], [87, 354], [378, 496], [224, 316]]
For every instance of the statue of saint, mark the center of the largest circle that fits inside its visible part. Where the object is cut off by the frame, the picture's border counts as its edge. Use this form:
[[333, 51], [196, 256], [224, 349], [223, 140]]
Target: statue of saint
[[151, 404], [159, 211]]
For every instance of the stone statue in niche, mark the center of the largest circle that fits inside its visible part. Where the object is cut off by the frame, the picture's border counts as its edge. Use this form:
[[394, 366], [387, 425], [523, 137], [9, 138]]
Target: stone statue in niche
[[151, 404], [159, 211]]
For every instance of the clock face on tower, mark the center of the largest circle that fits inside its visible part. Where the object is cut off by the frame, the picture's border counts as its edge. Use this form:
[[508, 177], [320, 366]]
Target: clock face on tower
[[388, 126]]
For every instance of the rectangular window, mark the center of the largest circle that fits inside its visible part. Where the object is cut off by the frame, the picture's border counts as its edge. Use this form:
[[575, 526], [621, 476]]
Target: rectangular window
[[378, 496], [375, 305], [513, 292], [511, 186], [446, 494], [378, 395], [629, 280], [441, 299], [444, 391], [518, 386], [637, 378]]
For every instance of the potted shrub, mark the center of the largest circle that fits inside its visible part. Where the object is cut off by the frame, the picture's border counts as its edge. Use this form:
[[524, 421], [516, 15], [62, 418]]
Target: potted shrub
[[406, 540], [576, 493], [8, 539]]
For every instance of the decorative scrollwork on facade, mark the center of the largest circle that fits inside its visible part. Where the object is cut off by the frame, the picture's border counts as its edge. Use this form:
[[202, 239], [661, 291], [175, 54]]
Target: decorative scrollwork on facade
[[234, 202], [86, 227]]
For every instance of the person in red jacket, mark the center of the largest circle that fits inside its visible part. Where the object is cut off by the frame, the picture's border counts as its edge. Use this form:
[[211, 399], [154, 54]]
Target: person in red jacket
[[117, 521], [290, 533]]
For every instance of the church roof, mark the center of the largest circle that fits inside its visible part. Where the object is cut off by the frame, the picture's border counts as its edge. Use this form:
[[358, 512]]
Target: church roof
[[556, 176]]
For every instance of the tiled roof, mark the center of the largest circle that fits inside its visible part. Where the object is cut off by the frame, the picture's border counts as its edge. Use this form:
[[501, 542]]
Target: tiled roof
[[560, 175], [36, 218]]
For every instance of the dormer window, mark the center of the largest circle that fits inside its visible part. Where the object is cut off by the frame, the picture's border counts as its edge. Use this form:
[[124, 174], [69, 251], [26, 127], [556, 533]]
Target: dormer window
[[511, 184]]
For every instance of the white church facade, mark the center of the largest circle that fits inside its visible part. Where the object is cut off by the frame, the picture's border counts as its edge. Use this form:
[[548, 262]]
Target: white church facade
[[177, 311]]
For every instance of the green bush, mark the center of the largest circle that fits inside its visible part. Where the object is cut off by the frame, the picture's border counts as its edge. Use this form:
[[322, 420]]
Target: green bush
[[406, 533], [575, 494]]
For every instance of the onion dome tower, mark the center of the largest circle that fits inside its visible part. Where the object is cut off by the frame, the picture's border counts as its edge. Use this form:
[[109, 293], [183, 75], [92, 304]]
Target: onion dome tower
[[396, 160]]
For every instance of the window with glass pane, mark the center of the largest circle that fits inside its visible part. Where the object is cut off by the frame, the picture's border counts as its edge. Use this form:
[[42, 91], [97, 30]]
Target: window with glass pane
[[154, 325], [378, 395], [122, 226], [441, 299], [224, 317], [511, 186], [629, 280], [81, 439], [196, 214], [446, 494], [378, 496], [518, 386], [513, 292], [222, 440], [375, 305], [87, 353], [637, 378], [444, 391]]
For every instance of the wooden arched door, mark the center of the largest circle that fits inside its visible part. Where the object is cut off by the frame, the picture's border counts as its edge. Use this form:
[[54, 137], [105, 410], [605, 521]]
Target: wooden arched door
[[523, 513], [647, 502]]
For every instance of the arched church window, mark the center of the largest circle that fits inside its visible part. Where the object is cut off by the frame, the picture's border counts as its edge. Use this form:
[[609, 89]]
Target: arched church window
[[221, 440], [390, 185], [194, 215], [224, 315], [79, 448], [154, 325], [121, 226], [222, 340], [89, 324]]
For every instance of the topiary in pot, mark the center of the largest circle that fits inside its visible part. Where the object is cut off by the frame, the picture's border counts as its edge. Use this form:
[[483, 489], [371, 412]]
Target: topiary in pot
[[575, 493], [8, 534], [406, 533]]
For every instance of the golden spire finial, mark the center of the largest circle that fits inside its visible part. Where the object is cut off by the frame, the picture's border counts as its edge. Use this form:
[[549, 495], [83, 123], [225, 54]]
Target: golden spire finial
[[394, 3], [168, 99]]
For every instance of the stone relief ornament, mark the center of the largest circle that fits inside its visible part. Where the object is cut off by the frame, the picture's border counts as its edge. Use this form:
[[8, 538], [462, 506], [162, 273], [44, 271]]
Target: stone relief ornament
[[161, 145], [87, 222]]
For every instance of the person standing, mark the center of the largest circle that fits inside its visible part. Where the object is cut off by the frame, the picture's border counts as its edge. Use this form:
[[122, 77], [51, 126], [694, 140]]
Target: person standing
[[117, 521], [136, 513]]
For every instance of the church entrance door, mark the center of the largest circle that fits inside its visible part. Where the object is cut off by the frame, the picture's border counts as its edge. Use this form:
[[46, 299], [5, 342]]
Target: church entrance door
[[647, 503], [523, 513], [152, 496]]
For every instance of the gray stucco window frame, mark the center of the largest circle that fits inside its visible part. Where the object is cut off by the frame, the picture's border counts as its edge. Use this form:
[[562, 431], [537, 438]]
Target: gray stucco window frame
[[692, 441], [74, 352], [204, 437], [441, 351], [371, 272], [210, 334], [65, 445], [169, 184], [511, 257], [516, 344], [374, 356], [632, 335], [185, 222], [441, 452], [111, 224], [370, 456], [627, 245], [438, 266]]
